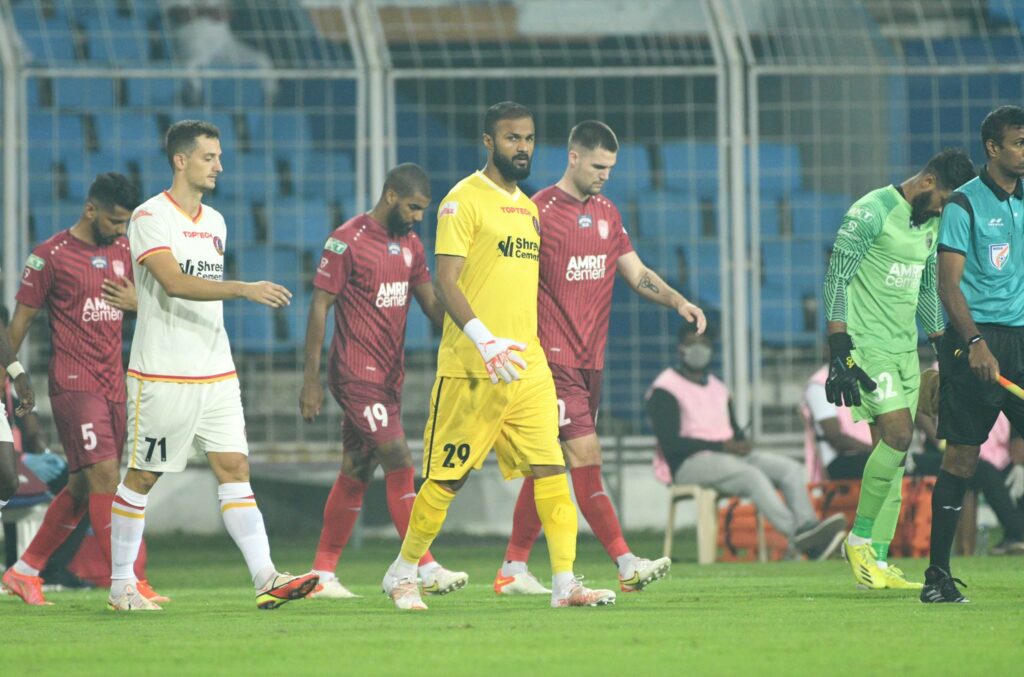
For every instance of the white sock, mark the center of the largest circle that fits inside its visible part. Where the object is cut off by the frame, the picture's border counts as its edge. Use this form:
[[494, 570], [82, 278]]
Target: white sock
[[244, 523], [625, 563], [325, 575], [854, 539], [24, 569], [127, 522], [562, 583], [402, 569], [511, 568], [428, 569], [882, 564]]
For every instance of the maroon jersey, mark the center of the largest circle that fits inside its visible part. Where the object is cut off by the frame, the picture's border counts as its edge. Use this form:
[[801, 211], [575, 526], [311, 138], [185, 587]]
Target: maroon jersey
[[580, 243], [371, 273], [66, 275]]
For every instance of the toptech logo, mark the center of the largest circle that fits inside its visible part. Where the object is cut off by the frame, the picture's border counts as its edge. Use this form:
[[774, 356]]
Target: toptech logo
[[519, 248]]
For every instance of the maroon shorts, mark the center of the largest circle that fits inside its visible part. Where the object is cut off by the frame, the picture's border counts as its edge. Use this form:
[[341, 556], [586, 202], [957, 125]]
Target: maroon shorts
[[373, 415], [579, 396], [90, 427]]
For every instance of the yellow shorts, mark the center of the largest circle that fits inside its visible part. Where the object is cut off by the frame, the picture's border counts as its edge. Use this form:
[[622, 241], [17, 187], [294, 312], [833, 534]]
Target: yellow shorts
[[470, 416]]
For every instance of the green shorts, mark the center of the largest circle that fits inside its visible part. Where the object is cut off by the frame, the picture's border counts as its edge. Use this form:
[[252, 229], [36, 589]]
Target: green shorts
[[899, 382]]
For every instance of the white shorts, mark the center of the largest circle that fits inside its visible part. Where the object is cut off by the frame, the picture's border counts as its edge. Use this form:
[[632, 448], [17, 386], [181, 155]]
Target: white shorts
[[5, 429], [170, 422]]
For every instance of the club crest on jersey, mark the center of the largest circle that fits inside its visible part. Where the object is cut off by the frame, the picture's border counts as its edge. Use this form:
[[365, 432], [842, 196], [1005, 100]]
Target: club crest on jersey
[[998, 253], [602, 229], [584, 221], [536, 225], [118, 267], [218, 244], [928, 241], [99, 262], [394, 248], [407, 255]]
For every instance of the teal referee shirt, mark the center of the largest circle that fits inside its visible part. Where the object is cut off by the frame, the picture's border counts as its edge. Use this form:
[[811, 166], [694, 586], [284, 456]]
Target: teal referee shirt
[[986, 224]]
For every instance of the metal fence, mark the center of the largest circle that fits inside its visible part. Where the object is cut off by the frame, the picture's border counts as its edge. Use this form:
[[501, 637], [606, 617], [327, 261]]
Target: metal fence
[[747, 128]]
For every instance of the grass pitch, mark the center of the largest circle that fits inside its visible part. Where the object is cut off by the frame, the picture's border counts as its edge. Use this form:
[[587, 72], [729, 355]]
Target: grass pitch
[[778, 618]]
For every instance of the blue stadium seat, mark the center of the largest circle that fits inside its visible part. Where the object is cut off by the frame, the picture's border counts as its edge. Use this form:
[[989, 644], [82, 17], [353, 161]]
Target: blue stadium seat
[[779, 170], [134, 135], [284, 131], [115, 38], [252, 176], [152, 92], [548, 165], [817, 214], [255, 329], [47, 40], [84, 93], [417, 331], [302, 223], [670, 218], [325, 175], [690, 166], [233, 92], [632, 170]]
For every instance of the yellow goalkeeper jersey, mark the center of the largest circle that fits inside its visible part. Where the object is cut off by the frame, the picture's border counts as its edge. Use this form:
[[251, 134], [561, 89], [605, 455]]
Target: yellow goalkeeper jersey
[[498, 233]]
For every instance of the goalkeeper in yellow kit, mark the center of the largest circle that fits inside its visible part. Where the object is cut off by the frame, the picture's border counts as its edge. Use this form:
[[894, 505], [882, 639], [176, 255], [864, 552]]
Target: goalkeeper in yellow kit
[[493, 390]]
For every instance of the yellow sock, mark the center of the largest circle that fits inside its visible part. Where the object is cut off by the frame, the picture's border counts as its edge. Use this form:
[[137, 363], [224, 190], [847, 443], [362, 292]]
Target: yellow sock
[[558, 515], [428, 513]]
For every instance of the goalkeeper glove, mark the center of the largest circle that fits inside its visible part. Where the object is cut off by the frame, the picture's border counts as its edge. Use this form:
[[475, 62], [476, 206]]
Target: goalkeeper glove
[[844, 375], [499, 354]]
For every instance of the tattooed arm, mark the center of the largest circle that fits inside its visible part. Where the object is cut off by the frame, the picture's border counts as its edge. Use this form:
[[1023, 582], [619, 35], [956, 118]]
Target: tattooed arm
[[649, 285]]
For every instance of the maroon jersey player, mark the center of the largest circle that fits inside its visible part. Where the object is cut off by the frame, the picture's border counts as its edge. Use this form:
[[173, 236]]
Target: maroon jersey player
[[583, 245], [82, 276], [369, 266]]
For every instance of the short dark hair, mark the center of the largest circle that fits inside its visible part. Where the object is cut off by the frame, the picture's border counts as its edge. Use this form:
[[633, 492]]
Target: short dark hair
[[951, 168], [995, 124], [408, 179], [506, 110], [114, 190], [181, 137], [690, 328], [593, 134]]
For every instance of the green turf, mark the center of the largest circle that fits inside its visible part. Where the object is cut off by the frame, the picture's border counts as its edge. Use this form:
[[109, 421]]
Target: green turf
[[778, 618]]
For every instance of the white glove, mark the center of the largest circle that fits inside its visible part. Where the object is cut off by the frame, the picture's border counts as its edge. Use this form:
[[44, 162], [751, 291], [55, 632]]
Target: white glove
[[1015, 482], [497, 353]]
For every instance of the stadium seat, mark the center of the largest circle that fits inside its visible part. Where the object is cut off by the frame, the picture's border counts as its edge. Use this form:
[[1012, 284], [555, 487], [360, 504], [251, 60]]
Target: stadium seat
[[302, 223], [133, 135], [328, 175], [256, 329], [779, 171], [233, 93], [152, 92], [706, 501], [690, 167], [47, 40], [92, 94], [252, 176], [816, 214], [669, 217], [115, 38]]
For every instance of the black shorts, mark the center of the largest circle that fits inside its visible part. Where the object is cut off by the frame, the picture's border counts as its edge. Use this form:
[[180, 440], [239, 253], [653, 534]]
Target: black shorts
[[968, 408]]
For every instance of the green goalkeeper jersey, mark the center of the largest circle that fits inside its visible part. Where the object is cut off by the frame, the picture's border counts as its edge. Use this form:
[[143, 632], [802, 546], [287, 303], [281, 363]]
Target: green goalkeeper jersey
[[882, 274]]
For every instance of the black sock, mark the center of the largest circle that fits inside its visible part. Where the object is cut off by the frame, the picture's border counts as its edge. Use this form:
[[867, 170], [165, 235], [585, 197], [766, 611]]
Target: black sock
[[947, 500]]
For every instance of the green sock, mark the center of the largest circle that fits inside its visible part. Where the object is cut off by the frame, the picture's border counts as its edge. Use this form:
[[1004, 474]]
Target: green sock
[[879, 473], [888, 517]]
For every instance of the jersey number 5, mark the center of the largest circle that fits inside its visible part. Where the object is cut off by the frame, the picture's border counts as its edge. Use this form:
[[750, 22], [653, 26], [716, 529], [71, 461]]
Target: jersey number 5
[[88, 436], [461, 451]]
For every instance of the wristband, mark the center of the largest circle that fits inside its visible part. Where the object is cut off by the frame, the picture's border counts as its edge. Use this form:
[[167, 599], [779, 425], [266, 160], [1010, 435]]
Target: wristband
[[974, 339], [14, 370], [840, 342], [477, 332]]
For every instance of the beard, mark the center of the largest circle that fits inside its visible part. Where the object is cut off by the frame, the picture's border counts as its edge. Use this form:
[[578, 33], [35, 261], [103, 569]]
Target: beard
[[99, 237], [509, 170], [396, 226], [919, 208]]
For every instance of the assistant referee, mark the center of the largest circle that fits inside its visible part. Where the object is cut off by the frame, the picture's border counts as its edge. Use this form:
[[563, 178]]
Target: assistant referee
[[981, 284]]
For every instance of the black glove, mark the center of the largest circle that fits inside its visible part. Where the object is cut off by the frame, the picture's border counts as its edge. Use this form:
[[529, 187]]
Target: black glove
[[844, 376]]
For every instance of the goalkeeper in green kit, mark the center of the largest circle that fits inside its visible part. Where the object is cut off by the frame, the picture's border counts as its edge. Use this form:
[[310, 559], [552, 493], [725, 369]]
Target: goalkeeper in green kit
[[880, 277]]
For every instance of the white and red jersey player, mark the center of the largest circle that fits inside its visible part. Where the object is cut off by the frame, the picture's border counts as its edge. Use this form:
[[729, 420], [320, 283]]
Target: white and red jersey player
[[369, 267], [583, 245]]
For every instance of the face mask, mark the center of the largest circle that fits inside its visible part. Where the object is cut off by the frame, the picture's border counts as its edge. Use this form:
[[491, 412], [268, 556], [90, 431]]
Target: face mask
[[696, 356]]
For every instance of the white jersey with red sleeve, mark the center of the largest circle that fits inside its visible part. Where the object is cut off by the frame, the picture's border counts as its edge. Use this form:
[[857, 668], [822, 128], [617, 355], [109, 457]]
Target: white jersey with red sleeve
[[178, 340]]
